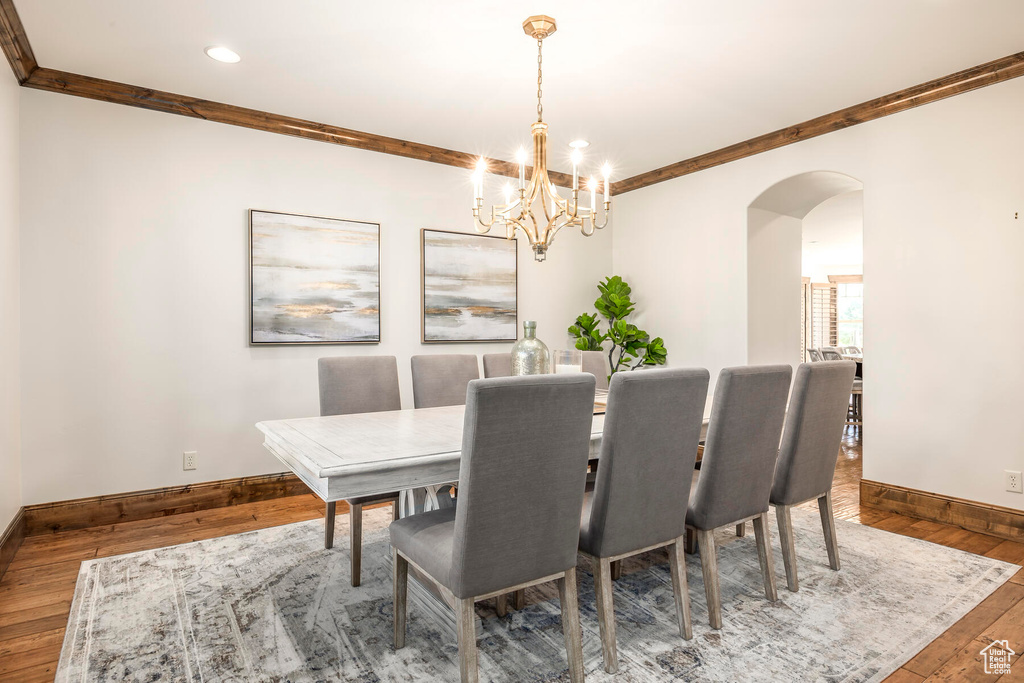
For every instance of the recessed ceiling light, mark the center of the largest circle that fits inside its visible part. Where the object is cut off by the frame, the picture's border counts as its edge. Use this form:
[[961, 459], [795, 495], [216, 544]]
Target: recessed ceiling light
[[579, 144], [222, 54]]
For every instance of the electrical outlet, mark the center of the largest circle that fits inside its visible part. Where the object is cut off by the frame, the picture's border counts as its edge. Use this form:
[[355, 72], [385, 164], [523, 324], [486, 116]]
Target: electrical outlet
[[190, 459], [1013, 482]]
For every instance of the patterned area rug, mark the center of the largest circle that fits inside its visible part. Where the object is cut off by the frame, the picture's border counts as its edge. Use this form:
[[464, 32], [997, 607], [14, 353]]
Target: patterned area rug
[[273, 605]]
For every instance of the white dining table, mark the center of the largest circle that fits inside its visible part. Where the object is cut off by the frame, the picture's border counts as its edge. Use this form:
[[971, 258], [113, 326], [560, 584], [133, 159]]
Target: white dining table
[[349, 456]]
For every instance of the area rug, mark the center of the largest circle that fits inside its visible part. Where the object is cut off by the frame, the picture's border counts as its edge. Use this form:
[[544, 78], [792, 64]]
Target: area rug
[[273, 605]]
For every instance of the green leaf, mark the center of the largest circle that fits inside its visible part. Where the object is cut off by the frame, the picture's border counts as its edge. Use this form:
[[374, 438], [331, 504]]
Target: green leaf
[[630, 343]]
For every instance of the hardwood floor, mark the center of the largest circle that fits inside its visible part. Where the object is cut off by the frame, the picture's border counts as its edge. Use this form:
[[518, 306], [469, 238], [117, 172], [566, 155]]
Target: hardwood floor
[[36, 592]]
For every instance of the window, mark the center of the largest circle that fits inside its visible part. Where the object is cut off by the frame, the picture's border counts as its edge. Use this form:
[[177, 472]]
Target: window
[[832, 313], [850, 314], [849, 309]]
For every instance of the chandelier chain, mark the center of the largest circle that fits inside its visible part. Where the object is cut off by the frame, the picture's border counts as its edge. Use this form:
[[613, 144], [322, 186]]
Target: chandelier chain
[[540, 79]]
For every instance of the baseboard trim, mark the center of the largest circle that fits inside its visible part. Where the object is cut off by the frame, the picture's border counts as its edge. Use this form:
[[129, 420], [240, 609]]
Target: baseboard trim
[[11, 540], [983, 518], [137, 505]]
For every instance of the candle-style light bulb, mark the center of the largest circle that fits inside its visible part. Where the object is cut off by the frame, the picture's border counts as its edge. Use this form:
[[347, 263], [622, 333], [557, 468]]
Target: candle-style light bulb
[[577, 157], [481, 168], [521, 160], [592, 186], [606, 171]]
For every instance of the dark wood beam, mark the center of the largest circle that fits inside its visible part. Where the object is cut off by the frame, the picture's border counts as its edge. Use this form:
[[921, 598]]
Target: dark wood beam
[[954, 84], [193, 107], [15, 43]]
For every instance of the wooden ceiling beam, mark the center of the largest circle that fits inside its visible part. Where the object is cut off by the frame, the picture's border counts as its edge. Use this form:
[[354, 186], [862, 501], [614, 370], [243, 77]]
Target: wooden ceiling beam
[[954, 84], [15, 43], [193, 107]]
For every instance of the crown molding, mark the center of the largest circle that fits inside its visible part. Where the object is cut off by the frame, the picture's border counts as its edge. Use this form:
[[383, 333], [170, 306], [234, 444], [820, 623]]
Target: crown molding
[[15, 45], [954, 84], [172, 103], [14, 42]]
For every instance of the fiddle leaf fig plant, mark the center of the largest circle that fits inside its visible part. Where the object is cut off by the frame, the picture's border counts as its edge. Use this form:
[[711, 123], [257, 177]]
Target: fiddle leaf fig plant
[[631, 347]]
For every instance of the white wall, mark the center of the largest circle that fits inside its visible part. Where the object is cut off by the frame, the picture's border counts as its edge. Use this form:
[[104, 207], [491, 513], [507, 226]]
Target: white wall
[[773, 288], [10, 333], [941, 185], [134, 280]]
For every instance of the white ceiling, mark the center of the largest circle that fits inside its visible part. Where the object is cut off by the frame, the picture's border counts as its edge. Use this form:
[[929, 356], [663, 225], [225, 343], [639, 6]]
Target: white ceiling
[[648, 83], [833, 232]]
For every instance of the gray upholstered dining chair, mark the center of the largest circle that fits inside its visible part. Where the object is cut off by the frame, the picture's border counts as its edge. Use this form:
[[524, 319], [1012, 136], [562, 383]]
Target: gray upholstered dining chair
[[738, 468], [830, 353], [535, 431], [357, 384], [648, 451], [440, 380], [814, 355], [807, 458], [497, 365], [596, 363]]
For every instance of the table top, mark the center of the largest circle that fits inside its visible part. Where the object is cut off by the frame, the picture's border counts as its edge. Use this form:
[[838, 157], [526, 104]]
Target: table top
[[859, 357], [346, 444]]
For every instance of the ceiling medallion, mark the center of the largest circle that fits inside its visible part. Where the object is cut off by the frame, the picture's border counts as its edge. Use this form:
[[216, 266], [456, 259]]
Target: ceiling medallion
[[520, 211]]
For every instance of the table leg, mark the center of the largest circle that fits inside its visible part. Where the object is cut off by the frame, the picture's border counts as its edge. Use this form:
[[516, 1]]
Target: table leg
[[329, 525]]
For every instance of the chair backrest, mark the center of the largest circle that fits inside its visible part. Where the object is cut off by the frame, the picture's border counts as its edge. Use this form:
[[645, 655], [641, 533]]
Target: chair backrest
[[651, 431], [850, 349], [831, 353], [814, 428], [742, 445], [441, 380], [522, 476], [815, 355], [358, 384], [596, 363], [497, 365]]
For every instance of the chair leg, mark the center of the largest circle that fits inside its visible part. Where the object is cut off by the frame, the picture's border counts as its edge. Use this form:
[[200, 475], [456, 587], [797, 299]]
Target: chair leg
[[741, 530], [709, 567], [355, 541], [606, 613], [568, 597], [394, 510], [616, 570], [466, 624], [401, 581], [680, 588], [329, 525], [519, 599], [788, 546], [501, 604], [690, 545], [828, 525], [764, 555]]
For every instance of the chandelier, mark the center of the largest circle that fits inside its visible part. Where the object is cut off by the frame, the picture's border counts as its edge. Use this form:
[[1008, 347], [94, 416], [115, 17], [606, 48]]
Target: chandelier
[[536, 208]]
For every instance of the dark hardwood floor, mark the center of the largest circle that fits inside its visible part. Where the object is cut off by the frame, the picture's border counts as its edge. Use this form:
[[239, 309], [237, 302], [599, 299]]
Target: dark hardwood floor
[[36, 592]]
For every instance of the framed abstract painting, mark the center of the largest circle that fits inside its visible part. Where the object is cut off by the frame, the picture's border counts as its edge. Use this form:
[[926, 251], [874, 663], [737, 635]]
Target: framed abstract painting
[[313, 280], [469, 287]]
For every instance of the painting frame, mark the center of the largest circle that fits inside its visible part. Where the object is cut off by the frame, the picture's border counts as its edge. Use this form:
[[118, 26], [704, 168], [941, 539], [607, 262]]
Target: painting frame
[[423, 288], [252, 341]]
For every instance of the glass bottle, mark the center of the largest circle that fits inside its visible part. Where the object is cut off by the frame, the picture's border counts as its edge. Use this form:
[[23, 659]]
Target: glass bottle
[[530, 355]]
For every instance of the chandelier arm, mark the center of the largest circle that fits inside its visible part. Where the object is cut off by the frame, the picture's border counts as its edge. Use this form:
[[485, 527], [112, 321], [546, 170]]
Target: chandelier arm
[[480, 223], [524, 225]]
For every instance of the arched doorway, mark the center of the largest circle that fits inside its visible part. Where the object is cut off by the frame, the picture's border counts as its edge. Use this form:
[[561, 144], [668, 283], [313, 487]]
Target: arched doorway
[[776, 311]]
